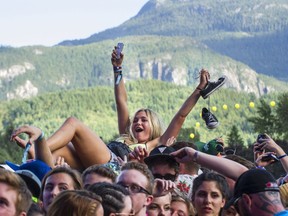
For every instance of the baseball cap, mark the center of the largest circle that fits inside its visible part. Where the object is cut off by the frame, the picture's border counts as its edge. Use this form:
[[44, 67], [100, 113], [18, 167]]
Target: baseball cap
[[253, 181], [38, 167], [162, 152], [212, 147], [31, 180], [5, 166]]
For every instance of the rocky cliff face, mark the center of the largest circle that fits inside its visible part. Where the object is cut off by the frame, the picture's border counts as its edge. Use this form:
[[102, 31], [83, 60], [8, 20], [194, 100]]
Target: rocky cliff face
[[239, 79]]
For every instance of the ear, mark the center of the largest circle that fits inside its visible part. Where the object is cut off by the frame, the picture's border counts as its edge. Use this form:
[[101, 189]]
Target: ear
[[23, 214], [149, 200], [246, 201], [223, 203]]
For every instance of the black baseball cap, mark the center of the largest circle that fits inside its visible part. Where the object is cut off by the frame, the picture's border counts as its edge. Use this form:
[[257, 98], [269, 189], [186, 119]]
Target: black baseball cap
[[253, 181], [162, 152]]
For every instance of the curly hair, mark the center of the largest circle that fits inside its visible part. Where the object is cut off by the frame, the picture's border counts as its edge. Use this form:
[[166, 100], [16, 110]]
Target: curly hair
[[113, 196]]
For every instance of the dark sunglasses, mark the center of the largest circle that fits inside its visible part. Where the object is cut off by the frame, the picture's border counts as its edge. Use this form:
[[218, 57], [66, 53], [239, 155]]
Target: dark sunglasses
[[134, 188], [169, 176]]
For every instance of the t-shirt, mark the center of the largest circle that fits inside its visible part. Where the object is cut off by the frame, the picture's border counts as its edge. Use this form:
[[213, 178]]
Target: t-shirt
[[282, 213]]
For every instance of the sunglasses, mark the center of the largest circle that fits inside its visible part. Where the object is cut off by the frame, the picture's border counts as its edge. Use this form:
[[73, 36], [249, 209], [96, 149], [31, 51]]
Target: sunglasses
[[134, 188], [169, 176]]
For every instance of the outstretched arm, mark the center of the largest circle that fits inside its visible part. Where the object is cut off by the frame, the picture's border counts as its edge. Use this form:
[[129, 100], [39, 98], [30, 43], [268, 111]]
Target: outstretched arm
[[221, 165], [178, 120], [120, 93]]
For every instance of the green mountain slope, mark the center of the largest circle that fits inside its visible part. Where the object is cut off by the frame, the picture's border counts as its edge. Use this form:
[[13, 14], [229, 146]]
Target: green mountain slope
[[30, 71], [260, 26]]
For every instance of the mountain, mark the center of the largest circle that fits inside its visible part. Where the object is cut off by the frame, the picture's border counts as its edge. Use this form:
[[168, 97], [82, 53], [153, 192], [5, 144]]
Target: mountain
[[30, 71], [251, 31], [168, 40]]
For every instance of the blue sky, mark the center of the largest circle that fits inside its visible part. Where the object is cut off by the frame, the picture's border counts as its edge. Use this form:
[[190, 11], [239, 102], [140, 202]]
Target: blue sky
[[43, 22]]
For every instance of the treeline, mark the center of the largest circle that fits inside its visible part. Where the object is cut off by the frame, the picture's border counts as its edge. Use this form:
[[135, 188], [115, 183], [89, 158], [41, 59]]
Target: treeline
[[96, 108]]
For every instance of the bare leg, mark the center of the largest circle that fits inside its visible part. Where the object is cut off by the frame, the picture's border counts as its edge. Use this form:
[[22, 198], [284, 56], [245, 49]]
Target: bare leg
[[70, 156], [89, 147]]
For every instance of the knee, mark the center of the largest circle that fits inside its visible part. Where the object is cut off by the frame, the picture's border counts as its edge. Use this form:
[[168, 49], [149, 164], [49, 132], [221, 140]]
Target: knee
[[72, 121]]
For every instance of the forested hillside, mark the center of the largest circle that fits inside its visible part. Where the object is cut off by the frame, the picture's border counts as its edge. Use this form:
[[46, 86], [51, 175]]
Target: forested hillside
[[251, 31], [96, 107], [30, 71]]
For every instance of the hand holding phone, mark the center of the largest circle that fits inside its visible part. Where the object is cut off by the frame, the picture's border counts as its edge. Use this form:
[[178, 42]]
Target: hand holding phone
[[119, 49], [270, 157], [261, 138]]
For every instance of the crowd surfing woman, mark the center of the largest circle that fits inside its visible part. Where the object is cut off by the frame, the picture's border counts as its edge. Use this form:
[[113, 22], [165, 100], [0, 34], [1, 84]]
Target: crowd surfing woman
[[81, 147]]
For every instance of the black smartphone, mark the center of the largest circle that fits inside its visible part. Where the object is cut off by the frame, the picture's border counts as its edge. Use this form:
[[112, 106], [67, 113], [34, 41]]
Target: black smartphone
[[270, 157], [119, 49]]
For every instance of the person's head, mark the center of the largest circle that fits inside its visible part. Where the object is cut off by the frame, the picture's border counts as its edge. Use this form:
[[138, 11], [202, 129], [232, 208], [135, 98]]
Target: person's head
[[145, 125], [210, 191], [240, 160], [256, 193], [160, 206], [57, 180], [138, 180], [98, 173], [32, 172], [76, 202], [191, 168], [162, 164], [116, 199], [181, 205], [14, 194], [35, 210]]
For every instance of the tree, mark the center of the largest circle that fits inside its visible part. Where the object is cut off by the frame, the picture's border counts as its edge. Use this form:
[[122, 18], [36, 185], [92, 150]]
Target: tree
[[281, 125], [235, 141], [266, 120]]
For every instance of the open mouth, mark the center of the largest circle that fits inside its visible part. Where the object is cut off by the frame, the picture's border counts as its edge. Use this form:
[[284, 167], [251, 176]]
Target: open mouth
[[138, 129]]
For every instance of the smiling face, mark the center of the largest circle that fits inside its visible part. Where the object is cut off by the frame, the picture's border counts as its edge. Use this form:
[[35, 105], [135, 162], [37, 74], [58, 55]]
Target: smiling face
[[141, 127], [208, 199]]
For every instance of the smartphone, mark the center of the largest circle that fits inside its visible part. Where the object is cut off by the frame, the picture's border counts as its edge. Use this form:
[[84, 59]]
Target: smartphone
[[270, 157], [119, 49], [261, 137]]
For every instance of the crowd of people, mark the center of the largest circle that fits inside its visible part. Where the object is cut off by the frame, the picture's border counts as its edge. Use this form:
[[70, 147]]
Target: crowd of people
[[146, 171]]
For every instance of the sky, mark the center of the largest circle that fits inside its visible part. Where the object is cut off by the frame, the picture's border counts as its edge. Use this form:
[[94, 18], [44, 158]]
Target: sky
[[48, 22]]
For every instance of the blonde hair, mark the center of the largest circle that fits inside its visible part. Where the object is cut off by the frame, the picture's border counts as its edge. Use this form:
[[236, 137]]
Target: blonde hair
[[186, 201], [155, 122], [284, 194]]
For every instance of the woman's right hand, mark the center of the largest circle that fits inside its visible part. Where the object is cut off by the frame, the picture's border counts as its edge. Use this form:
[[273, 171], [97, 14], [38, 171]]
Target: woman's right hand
[[114, 60]]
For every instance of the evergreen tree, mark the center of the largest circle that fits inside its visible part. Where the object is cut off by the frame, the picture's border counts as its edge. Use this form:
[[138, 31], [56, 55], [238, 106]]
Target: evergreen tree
[[281, 125], [265, 122], [235, 141]]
